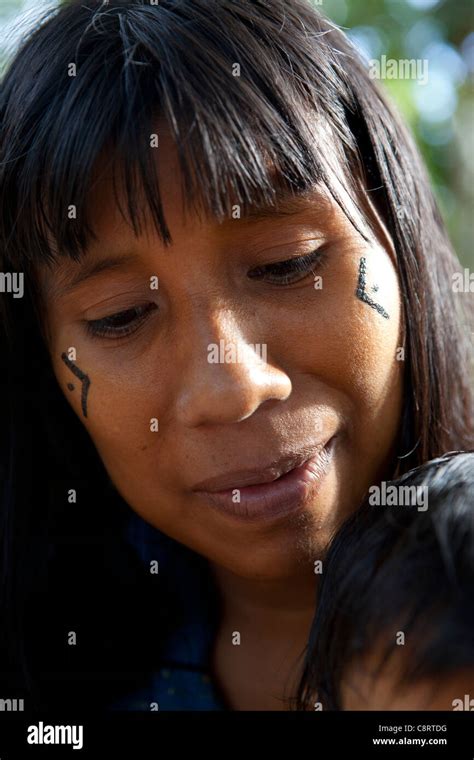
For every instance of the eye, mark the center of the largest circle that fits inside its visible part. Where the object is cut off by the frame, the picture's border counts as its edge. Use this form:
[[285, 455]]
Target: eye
[[289, 271], [120, 324]]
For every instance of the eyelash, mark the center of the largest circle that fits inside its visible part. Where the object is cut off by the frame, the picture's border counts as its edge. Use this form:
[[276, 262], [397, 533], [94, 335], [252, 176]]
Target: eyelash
[[291, 271], [105, 327], [300, 266]]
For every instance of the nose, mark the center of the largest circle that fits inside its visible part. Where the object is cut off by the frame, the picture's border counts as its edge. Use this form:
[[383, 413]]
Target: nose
[[225, 378]]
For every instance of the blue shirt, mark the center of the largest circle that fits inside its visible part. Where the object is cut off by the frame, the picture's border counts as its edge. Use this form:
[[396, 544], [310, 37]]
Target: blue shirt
[[183, 682]]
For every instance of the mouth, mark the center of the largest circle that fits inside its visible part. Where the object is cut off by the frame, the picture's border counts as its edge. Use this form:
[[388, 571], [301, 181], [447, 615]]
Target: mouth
[[276, 491]]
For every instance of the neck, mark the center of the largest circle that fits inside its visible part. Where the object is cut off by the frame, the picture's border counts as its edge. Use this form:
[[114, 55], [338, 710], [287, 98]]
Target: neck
[[291, 601], [272, 620]]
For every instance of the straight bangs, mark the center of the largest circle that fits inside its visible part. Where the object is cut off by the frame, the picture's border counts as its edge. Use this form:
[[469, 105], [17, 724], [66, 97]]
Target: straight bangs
[[243, 116]]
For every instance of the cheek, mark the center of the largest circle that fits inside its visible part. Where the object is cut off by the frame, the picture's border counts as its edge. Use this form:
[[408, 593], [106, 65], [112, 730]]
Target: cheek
[[123, 411], [349, 346], [345, 340]]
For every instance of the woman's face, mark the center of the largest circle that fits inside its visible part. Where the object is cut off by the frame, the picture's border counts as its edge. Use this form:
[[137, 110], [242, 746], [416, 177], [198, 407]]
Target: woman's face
[[305, 363]]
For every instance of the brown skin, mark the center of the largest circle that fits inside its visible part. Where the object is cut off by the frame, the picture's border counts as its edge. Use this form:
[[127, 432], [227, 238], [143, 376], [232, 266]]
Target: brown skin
[[367, 686], [331, 370]]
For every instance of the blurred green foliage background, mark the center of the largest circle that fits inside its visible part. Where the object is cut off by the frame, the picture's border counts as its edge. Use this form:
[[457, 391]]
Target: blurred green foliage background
[[440, 112]]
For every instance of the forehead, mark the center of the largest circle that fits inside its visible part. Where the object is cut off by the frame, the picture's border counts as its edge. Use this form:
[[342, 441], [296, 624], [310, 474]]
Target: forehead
[[108, 198]]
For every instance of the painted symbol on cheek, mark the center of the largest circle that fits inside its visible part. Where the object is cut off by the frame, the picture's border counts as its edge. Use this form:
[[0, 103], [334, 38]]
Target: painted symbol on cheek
[[361, 292], [80, 376]]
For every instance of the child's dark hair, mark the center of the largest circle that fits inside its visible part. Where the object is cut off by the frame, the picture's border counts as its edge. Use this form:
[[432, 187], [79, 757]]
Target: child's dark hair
[[398, 568]]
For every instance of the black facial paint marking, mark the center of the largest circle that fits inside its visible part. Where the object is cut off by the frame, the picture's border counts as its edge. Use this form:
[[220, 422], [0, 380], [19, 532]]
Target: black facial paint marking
[[70, 386], [361, 293], [82, 377]]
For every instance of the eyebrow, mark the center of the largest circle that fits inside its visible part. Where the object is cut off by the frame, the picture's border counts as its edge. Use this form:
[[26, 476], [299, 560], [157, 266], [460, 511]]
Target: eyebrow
[[90, 270], [286, 205]]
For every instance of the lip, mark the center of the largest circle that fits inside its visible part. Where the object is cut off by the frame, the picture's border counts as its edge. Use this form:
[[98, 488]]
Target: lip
[[275, 492], [256, 475]]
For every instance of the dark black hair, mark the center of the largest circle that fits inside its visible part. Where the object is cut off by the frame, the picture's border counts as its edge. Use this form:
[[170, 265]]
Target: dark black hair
[[407, 567], [240, 139]]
